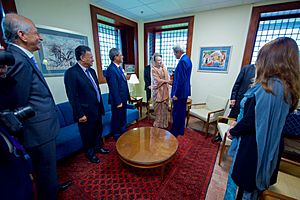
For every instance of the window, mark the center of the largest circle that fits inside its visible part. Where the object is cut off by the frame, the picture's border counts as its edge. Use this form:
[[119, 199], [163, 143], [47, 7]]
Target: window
[[109, 37], [165, 40], [161, 36], [109, 31], [270, 22]]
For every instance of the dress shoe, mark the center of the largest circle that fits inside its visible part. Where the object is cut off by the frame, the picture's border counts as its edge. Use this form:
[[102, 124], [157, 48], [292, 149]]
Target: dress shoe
[[64, 186], [93, 159], [217, 138], [102, 150]]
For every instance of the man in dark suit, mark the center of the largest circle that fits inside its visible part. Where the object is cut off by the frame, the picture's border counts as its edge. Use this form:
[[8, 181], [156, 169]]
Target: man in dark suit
[[31, 89], [118, 93], [241, 85], [147, 79], [84, 94], [181, 89]]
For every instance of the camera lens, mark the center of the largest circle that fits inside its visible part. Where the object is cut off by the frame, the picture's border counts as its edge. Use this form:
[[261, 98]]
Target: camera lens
[[24, 113]]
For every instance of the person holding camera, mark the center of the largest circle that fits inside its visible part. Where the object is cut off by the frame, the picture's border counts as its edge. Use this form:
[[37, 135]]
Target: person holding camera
[[31, 89], [15, 167]]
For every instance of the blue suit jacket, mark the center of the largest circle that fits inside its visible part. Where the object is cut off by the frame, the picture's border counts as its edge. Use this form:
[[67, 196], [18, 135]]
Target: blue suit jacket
[[181, 87], [32, 89], [81, 93], [117, 84]]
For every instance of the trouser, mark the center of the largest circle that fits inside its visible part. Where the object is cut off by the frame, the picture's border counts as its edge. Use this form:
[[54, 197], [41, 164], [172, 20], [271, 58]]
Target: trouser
[[178, 115], [118, 120]]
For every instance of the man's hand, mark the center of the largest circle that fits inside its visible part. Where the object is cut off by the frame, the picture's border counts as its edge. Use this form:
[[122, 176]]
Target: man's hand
[[228, 135], [174, 98], [120, 105], [232, 103], [82, 119]]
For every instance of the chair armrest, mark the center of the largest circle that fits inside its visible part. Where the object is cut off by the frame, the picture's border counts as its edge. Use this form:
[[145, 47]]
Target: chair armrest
[[131, 106], [198, 105], [213, 112], [225, 120]]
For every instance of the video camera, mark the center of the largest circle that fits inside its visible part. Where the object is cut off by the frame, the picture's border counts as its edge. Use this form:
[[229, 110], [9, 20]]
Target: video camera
[[11, 120]]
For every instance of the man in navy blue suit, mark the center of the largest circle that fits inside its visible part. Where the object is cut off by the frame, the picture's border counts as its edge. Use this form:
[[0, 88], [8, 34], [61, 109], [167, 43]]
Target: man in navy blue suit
[[84, 94], [181, 89], [118, 93]]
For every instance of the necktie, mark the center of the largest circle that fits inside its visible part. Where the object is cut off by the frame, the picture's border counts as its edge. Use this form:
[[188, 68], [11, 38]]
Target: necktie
[[93, 83], [122, 73], [35, 63]]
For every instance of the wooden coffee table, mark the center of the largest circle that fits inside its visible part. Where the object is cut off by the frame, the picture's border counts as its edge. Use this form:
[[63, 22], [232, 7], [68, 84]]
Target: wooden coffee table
[[147, 147]]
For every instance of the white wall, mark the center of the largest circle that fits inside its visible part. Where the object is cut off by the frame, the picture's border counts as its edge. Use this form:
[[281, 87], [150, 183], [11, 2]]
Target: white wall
[[222, 27], [73, 15]]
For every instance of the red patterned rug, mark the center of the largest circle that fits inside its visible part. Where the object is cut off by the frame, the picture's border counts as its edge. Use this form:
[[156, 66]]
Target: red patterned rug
[[186, 177]]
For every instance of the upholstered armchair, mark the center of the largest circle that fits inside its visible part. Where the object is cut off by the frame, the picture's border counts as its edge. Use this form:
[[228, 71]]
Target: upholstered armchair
[[209, 111], [288, 182], [223, 124]]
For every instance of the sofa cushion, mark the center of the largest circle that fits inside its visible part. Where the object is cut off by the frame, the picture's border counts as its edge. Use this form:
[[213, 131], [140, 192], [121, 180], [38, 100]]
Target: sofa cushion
[[106, 124], [107, 107], [132, 115], [68, 141], [67, 112], [61, 118]]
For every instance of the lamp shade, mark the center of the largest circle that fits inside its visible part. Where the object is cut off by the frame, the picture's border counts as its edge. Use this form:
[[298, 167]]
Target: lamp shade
[[133, 79]]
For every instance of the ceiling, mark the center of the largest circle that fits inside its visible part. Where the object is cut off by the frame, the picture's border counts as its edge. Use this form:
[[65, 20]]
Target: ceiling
[[147, 10]]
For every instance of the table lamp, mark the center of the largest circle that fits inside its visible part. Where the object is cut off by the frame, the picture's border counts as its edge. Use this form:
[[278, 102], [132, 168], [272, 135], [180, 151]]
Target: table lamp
[[133, 80]]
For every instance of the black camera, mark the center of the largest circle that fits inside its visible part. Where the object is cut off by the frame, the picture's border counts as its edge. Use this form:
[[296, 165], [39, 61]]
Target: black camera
[[11, 120]]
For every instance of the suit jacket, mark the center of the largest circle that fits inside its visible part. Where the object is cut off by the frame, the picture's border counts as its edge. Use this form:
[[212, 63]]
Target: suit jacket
[[243, 82], [32, 90], [117, 84], [81, 93], [147, 76], [181, 87]]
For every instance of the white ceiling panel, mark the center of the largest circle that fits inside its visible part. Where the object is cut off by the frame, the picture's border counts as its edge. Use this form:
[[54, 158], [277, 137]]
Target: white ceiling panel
[[164, 6], [126, 4], [143, 11], [155, 9]]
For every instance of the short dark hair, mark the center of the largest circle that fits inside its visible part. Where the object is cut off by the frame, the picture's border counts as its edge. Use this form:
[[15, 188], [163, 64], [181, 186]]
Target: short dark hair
[[113, 53], [81, 50]]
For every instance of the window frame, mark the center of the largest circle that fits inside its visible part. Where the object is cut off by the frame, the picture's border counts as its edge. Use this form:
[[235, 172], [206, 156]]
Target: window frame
[[153, 27], [129, 47], [254, 24]]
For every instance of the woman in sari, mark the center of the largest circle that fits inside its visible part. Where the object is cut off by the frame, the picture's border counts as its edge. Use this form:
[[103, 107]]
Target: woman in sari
[[257, 136], [160, 91]]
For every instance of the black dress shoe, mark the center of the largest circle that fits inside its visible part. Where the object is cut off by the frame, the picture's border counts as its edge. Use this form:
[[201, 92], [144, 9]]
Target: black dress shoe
[[217, 138], [64, 186], [93, 159], [102, 150]]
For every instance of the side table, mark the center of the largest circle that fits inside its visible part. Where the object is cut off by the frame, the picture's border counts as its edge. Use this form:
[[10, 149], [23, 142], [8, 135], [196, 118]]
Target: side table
[[138, 101]]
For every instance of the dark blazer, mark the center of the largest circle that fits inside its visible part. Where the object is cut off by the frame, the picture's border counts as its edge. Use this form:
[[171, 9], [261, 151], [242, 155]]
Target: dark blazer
[[242, 82], [32, 89], [81, 93], [181, 87], [147, 76], [117, 84]]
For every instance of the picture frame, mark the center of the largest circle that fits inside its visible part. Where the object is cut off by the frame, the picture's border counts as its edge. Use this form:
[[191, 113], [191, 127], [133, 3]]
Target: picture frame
[[57, 52], [214, 59], [129, 68]]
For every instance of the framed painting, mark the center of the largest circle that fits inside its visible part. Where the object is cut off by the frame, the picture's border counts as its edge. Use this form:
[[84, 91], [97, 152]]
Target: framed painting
[[57, 51], [214, 59], [129, 68]]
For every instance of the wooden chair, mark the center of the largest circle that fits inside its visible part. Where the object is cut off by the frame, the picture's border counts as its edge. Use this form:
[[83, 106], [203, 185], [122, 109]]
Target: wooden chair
[[223, 124], [288, 182], [209, 111]]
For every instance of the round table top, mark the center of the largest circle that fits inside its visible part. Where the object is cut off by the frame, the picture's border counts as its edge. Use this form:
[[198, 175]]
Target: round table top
[[147, 145]]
